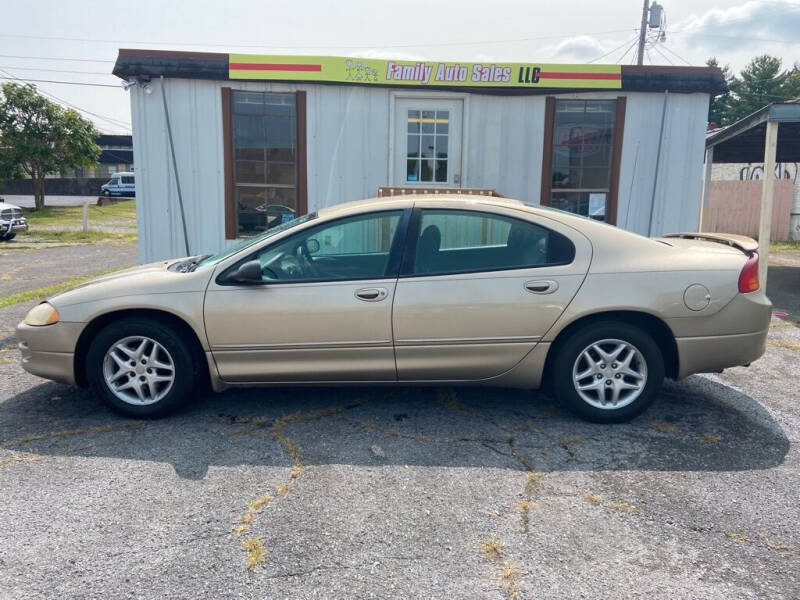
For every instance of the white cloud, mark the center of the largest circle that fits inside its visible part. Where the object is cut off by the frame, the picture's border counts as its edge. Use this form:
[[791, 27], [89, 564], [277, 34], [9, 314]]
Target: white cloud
[[750, 25], [579, 48]]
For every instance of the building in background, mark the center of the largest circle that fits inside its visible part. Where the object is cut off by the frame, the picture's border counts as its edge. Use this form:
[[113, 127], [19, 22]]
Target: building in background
[[116, 157], [259, 139]]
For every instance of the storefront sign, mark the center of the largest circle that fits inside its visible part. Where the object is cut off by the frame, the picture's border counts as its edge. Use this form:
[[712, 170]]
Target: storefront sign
[[332, 69]]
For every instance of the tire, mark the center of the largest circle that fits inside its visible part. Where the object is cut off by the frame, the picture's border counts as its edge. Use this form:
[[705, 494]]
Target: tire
[[106, 193], [169, 389], [635, 378], [8, 237]]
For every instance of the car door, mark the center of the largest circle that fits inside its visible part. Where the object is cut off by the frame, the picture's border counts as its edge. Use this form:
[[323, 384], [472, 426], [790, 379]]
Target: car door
[[479, 288], [322, 311]]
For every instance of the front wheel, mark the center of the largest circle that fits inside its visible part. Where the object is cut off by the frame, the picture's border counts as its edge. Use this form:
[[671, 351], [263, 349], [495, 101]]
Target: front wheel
[[608, 372], [140, 368], [106, 193], [8, 237]]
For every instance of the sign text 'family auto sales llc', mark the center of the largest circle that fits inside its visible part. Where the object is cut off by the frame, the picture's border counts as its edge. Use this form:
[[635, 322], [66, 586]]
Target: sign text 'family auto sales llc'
[[332, 69]]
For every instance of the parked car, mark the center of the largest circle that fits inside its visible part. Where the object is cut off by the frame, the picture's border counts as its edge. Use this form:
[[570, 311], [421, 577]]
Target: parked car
[[120, 184], [11, 221], [414, 290]]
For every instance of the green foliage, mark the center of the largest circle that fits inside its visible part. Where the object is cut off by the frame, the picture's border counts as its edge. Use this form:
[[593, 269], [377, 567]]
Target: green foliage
[[762, 81], [721, 105], [40, 137]]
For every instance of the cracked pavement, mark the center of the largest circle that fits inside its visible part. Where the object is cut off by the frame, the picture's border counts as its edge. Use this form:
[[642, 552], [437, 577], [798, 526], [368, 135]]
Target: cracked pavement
[[394, 492]]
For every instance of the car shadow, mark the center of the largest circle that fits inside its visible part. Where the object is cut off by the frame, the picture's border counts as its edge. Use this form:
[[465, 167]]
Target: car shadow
[[783, 283], [696, 424]]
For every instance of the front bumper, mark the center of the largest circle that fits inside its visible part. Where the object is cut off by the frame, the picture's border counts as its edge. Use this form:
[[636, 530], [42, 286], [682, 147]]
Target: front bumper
[[49, 351], [15, 226]]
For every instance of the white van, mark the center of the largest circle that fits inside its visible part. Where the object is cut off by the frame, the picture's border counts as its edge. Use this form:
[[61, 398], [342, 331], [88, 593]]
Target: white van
[[120, 184]]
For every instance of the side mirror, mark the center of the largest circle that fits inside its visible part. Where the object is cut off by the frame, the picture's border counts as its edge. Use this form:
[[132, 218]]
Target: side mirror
[[249, 272]]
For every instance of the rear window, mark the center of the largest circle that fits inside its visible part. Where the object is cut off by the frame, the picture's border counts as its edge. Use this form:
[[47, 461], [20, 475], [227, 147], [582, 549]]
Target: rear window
[[453, 241]]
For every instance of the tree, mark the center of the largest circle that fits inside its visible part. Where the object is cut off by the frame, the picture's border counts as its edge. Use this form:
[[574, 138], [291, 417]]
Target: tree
[[762, 81], [720, 107], [40, 137]]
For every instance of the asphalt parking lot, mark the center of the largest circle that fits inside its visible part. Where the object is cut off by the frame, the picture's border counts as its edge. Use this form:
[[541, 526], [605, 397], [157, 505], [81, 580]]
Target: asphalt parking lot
[[409, 493]]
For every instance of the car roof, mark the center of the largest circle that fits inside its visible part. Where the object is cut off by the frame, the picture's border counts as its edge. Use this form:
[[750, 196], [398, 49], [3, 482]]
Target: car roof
[[406, 200]]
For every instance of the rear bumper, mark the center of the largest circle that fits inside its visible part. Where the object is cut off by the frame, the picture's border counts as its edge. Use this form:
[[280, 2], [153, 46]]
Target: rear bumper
[[714, 353]]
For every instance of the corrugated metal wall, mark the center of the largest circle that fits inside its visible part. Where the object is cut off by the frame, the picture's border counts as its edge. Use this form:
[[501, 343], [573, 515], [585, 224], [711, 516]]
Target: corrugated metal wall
[[349, 147]]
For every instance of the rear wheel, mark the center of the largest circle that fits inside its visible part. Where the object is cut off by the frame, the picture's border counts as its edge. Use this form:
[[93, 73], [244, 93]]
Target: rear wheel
[[608, 372], [140, 367]]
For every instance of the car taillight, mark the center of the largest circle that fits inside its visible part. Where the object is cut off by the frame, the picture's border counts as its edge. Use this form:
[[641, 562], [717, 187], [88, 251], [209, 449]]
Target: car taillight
[[748, 278]]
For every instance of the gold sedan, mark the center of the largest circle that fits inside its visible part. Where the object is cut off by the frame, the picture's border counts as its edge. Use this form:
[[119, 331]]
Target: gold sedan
[[415, 290]]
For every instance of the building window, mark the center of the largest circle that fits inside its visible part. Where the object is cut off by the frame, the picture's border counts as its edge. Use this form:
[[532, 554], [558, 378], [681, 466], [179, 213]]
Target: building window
[[265, 160], [428, 132], [581, 164]]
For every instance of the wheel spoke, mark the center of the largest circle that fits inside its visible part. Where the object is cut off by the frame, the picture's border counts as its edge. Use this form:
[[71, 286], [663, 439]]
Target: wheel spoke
[[618, 374], [138, 370]]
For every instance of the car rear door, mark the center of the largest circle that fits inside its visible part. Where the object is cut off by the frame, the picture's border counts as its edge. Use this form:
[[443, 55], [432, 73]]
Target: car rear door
[[479, 288]]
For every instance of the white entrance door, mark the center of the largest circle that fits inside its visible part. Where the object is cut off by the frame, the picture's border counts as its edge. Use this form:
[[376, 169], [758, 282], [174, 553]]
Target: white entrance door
[[427, 142]]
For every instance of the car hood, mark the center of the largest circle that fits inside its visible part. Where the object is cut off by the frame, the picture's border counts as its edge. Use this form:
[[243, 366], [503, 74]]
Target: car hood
[[144, 280]]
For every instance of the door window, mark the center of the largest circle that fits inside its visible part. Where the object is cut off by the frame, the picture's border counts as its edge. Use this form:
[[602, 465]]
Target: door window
[[427, 146], [353, 248], [452, 241]]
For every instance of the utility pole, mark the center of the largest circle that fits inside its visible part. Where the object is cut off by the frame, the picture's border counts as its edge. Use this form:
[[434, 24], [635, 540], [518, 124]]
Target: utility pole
[[642, 33]]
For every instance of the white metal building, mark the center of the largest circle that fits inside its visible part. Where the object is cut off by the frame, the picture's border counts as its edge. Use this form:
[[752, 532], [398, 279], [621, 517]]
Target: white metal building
[[258, 140]]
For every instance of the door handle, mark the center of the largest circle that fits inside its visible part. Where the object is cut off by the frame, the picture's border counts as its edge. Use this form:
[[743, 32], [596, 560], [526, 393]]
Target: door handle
[[543, 286], [375, 294]]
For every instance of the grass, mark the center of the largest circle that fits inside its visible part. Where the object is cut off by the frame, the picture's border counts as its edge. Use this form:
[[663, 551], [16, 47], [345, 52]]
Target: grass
[[738, 537], [82, 237], [491, 548], [120, 214], [788, 344], [665, 427], [49, 290], [255, 552], [710, 438], [789, 246]]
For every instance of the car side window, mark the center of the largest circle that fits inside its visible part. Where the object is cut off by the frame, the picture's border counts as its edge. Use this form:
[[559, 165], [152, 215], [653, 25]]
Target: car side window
[[346, 249], [454, 241]]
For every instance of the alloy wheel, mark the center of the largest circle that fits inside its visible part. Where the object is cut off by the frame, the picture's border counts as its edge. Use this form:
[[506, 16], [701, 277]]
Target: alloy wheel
[[609, 374]]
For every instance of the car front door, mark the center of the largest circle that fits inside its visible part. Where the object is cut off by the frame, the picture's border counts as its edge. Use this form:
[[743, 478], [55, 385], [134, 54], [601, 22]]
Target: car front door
[[322, 311], [478, 289]]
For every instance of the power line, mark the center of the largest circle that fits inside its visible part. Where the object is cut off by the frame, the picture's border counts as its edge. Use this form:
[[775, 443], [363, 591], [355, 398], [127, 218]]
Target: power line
[[115, 122], [59, 70], [736, 37], [624, 54], [667, 58], [676, 54], [365, 46], [613, 50], [106, 85], [56, 58]]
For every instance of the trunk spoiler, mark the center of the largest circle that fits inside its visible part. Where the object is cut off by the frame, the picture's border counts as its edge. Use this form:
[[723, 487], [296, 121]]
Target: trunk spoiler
[[742, 242]]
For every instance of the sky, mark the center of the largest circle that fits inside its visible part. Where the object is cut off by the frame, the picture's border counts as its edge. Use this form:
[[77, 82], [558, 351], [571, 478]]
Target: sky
[[77, 41]]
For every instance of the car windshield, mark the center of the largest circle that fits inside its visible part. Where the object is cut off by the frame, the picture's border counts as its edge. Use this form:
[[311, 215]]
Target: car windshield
[[246, 243]]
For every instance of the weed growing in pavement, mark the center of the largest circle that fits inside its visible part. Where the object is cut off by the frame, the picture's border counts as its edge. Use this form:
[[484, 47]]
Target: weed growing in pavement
[[665, 427], [255, 552]]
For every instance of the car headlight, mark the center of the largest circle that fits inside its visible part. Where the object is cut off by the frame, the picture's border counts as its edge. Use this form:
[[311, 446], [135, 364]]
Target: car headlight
[[42, 314]]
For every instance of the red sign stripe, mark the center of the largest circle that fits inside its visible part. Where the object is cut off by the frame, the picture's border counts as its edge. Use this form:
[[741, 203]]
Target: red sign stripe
[[560, 75], [273, 67]]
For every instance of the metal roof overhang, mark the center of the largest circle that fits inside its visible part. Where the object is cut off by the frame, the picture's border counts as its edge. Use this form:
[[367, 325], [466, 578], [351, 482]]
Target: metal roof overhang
[[743, 141], [210, 65]]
